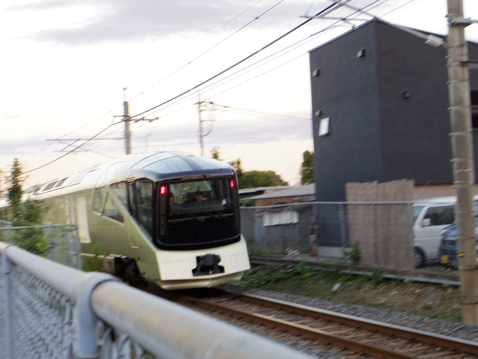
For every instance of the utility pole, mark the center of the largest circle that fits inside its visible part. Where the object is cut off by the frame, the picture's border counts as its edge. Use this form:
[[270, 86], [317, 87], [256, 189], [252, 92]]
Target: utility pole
[[202, 106], [463, 163], [127, 119], [201, 142]]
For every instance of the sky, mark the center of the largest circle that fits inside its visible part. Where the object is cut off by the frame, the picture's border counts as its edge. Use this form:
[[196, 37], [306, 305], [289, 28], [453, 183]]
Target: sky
[[67, 66]]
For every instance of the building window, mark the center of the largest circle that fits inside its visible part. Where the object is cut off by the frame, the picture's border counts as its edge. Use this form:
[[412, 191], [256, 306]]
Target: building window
[[277, 218], [324, 127], [474, 110]]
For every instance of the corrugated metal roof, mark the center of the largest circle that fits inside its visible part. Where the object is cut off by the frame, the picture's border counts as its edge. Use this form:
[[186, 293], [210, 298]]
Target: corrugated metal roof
[[297, 191]]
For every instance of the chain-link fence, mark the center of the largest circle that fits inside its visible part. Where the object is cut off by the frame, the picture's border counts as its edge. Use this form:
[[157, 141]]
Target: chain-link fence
[[56, 242], [49, 310], [374, 234]]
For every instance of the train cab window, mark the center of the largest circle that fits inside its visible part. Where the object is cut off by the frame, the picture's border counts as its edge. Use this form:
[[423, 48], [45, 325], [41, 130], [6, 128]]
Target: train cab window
[[144, 201], [198, 213], [110, 210]]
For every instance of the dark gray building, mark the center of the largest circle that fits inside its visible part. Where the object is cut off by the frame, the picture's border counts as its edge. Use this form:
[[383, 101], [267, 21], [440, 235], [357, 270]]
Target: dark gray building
[[383, 92]]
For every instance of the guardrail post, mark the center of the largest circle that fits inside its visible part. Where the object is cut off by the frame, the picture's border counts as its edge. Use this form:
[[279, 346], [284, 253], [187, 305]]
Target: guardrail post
[[85, 321], [6, 269]]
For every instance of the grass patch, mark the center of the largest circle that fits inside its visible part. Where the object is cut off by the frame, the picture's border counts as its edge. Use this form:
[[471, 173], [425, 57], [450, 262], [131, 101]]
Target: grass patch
[[427, 300]]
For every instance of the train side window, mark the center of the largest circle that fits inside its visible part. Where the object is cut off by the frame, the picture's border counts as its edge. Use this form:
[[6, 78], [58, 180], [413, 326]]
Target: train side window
[[121, 191], [98, 200], [111, 210], [144, 201], [131, 200]]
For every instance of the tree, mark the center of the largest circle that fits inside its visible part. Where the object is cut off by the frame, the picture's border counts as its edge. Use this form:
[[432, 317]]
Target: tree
[[307, 168], [238, 168], [252, 179], [216, 154], [15, 191], [25, 213]]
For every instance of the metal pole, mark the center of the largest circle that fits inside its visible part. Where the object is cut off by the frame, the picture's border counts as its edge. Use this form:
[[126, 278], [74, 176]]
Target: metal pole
[[201, 142], [127, 132], [6, 269], [463, 163]]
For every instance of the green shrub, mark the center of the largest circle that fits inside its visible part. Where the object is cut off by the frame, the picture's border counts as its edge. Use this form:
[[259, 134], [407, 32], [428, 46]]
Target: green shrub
[[353, 253]]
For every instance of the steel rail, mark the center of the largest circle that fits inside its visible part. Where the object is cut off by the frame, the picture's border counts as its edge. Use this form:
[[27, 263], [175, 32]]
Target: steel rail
[[313, 333], [418, 336], [402, 332]]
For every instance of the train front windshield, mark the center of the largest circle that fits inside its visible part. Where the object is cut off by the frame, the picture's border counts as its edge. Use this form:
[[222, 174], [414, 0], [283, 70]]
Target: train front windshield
[[198, 214]]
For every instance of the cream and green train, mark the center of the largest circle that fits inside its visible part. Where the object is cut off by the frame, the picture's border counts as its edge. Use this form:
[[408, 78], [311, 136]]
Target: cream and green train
[[168, 217]]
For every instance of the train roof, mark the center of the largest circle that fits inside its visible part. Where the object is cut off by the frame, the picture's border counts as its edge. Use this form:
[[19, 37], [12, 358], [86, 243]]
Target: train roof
[[156, 166]]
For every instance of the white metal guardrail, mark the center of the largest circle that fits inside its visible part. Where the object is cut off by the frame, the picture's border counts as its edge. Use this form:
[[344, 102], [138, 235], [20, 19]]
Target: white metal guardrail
[[53, 311]]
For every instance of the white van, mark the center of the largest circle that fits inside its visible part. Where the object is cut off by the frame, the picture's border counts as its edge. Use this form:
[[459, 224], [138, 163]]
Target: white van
[[430, 216]]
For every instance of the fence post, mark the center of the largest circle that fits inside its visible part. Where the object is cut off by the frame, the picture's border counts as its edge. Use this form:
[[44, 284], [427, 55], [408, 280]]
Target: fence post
[[84, 318], [6, 269], [374, 233], [411, 234], [343, 232]]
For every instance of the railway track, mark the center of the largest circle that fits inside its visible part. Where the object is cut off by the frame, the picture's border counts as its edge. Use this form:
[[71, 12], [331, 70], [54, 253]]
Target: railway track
[[324, 332]]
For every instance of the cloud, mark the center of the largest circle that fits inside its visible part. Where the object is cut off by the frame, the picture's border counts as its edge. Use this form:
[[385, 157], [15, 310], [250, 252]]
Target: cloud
[[127, 20], [225, 132]]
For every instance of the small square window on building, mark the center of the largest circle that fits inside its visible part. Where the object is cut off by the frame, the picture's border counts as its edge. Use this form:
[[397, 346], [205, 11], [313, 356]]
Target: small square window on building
[[324, 126]]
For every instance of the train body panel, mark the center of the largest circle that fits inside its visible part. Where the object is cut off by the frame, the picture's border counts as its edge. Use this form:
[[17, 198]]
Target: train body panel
[[181, 264], [170, 217]]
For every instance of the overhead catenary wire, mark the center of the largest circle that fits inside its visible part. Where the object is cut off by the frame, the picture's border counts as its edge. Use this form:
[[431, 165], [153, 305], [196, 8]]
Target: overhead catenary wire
[[327, 9], [261, 61], [191, 89], [74, 149], [234, 65], [189, 62]]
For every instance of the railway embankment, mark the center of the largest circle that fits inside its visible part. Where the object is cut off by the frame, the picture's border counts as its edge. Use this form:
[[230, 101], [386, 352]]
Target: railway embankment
[[432, 292]]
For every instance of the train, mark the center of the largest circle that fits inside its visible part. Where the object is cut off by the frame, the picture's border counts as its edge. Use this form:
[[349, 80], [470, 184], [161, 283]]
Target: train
[[169, 218]]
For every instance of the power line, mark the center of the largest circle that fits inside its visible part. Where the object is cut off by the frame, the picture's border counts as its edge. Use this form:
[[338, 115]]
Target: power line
[[308, 39], [229, 68], [203, 53], [189, 62], [333, 6], [74, 149], [236, 64], [258, 63], [285, 117]]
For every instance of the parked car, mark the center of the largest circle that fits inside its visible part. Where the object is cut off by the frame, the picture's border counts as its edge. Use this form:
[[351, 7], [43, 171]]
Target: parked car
[[430, 217], [449, 247]]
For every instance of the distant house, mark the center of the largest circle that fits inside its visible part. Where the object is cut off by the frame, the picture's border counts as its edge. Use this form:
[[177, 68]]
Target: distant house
[[380, 105], [282, 225], [245, 193], [304, 193]]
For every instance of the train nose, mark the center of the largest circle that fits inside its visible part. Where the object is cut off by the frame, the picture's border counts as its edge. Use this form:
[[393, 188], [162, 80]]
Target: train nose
[[208, 264]]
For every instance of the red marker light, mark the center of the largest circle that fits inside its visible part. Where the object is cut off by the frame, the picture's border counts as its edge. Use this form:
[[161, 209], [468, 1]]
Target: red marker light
[[233, 184], [164, 190]]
